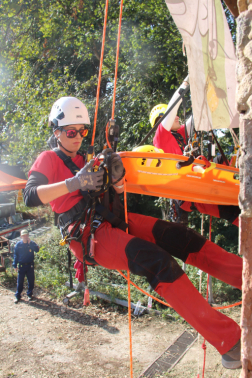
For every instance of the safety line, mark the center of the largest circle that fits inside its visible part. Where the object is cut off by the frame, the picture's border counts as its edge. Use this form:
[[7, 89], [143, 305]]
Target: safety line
[[203, 346], [106, 133], [165, 303], [117, 58], [128, 280], [143, 291], [116, 70], [229, 306], [100, 71]]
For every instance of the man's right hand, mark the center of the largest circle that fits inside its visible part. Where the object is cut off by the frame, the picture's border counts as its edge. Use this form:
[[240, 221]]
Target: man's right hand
[[85, 179]]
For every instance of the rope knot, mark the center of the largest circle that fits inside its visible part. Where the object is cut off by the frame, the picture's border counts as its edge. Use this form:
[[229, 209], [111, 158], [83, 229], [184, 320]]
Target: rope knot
[[203, 346]]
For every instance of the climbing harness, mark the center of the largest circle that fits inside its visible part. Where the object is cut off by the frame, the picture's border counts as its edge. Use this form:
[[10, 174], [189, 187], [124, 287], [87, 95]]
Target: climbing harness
[[88, 209]]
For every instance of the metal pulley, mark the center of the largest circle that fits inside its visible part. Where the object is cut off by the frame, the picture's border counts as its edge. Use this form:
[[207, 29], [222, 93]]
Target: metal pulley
[[113, 134]]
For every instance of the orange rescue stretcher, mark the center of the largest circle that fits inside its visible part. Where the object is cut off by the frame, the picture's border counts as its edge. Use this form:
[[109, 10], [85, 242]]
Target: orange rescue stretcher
[[156, 174]]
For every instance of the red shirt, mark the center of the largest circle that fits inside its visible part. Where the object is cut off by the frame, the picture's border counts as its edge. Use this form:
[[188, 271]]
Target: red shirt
[[166, 141], [49, 164]]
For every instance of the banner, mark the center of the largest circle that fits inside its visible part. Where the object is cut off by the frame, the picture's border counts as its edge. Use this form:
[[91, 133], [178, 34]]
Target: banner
[[211, 61]]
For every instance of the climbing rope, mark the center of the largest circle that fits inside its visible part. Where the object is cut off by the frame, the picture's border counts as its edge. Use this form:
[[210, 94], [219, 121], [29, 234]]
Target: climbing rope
[[128, 280], [204, 342], [99, 79], [235, 138], [117, 58], [90, 155], [165, 303], [116, 70], [143, 291]]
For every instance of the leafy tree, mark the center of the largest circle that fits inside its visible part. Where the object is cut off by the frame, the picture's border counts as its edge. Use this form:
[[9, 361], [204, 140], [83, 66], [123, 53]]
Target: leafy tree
[[52, 48]]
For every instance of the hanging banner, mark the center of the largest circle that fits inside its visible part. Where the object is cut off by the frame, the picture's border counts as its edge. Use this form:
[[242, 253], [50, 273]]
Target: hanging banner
[[211, 61]]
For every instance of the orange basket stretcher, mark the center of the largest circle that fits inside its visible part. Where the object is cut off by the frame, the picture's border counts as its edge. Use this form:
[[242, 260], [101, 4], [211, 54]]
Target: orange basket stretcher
[[156, 174]]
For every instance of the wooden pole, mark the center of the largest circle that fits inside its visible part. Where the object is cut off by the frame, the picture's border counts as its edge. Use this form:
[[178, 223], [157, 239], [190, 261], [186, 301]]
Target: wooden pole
[[244, 106]]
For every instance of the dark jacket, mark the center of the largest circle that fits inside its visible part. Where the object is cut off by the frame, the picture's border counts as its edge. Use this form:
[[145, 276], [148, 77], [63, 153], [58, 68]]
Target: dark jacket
[[24, 253]]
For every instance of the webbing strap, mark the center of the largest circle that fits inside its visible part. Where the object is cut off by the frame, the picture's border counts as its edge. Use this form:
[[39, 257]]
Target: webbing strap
[[110, 217], [99, 208], [67, 161], [220, 149]]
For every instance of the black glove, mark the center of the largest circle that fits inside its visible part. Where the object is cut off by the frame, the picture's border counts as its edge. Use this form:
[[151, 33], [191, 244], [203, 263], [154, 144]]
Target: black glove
[[85, 180], [117, 166]]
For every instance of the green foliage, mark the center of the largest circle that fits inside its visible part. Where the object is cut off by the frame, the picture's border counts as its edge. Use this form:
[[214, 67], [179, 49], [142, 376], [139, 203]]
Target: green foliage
[[52, 48], [41, 61], [51, 264], [8, 278]]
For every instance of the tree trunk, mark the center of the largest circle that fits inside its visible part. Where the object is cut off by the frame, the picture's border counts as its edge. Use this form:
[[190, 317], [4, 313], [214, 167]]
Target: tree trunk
[[244, 106]]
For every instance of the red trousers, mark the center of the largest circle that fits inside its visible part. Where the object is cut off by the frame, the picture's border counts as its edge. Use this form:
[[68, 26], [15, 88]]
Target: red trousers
[[230, 213], [148, 250]]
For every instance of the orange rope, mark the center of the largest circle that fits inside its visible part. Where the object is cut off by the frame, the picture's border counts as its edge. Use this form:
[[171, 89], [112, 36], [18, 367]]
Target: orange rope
[[117, 58], [144, 292], [108, 143], [166, 304], [128, 280], [130, 330], [100, 72], [116, 70], [229, 306]]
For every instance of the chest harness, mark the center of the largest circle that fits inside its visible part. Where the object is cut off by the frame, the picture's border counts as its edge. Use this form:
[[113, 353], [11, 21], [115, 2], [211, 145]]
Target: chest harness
[[179, 139], [95, 206]]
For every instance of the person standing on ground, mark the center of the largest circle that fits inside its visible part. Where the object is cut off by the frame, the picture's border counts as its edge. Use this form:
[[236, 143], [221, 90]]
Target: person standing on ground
[[24, 257]]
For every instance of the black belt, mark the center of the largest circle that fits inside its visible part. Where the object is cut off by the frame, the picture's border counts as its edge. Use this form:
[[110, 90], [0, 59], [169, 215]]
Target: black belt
[[21, 265], [70, 216]]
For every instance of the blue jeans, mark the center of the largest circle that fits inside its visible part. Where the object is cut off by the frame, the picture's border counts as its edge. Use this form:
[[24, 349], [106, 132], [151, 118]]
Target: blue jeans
[[28, 271]]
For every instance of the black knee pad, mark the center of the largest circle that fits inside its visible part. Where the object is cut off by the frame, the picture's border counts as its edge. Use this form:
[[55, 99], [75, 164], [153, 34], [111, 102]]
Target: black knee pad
[[230, 213], [149, 260], [177, 239]]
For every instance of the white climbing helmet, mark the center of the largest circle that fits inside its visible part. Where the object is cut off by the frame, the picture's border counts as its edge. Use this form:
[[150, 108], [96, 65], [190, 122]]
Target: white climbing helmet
[[68, 111]]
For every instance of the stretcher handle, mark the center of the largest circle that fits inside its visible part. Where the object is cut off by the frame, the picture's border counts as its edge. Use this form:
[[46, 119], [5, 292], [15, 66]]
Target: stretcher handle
[[182, 164]]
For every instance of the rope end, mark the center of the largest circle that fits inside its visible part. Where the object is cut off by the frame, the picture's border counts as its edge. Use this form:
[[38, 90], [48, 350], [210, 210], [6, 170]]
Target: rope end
[[86, 301]]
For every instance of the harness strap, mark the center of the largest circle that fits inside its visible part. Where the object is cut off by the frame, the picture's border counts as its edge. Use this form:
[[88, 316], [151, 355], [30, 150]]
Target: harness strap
[[220, 149], [67, 160], [179, 139], [111, 217], [69, 268], [182, 93], [71, 215]]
